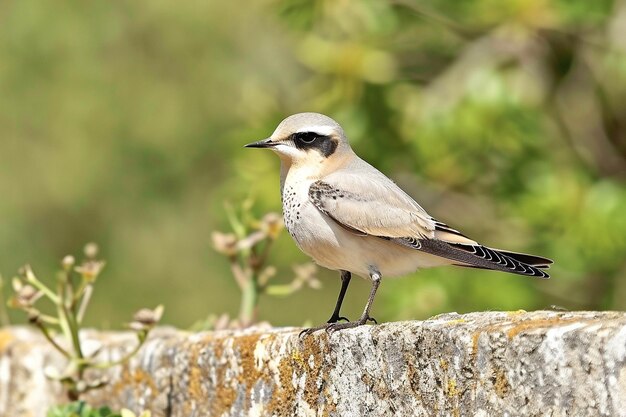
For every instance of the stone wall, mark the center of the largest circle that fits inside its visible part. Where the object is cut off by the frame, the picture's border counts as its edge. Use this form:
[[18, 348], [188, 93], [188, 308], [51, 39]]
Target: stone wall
[[542, 363]]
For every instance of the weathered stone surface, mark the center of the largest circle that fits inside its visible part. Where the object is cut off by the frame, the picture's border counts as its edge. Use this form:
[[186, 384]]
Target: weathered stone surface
[[480, 364]]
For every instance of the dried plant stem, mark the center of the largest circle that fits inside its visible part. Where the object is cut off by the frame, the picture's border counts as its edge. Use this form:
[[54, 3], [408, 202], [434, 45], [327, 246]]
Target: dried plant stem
[[53, 342], [238, 273], [87, 292], [122, 360]]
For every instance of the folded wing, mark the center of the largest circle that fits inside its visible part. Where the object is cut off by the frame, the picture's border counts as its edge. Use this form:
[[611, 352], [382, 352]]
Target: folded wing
[[382, 209]]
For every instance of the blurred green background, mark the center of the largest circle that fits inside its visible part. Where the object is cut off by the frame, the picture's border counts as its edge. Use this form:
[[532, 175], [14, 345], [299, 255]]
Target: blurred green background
[[123, 123]]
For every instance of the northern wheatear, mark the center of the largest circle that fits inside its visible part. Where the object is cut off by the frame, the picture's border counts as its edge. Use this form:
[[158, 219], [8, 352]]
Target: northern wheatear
[[349, 217]]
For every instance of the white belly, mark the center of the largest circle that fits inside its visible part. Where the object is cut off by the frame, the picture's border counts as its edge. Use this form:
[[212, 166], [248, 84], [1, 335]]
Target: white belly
[[334, 247]]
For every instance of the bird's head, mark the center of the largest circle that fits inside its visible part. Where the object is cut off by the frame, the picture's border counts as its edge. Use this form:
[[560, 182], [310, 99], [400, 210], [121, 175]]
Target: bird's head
[[307, 139]]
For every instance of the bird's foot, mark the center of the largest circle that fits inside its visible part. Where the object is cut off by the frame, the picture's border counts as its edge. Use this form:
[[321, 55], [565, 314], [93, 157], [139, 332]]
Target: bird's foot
[[333, 327], [331, 321], [349, 325]]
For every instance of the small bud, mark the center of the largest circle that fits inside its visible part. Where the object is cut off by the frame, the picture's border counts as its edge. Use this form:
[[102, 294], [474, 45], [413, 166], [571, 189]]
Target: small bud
[[146, 318], [68, 262], [90, 270], [25, 295], [224, 243], [34, 316], [28, 273], [91, 250], [272, 224], [17, 284]]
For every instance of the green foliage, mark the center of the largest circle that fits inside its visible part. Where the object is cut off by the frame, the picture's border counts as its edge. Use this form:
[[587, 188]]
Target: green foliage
[[81, 409], [122, 122]]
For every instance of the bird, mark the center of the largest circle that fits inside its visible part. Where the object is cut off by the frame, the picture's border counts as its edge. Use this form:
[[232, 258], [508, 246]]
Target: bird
[[350, 217]]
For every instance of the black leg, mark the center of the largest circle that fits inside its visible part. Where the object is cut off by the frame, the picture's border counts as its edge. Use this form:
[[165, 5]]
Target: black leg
[[345, 281], [365, 317]]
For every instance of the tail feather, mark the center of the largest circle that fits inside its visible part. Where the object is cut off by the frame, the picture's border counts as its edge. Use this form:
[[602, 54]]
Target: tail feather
[[533, 260], [479, 256]]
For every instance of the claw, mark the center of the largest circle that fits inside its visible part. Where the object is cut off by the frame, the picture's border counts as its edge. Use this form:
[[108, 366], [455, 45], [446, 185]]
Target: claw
[[335, 319], [333, 325], [306, 332]]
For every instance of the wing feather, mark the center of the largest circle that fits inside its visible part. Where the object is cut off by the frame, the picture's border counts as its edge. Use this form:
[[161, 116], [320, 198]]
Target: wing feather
[[380, 208]]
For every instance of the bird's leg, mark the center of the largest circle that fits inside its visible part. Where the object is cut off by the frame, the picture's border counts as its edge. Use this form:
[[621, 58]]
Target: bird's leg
[[365, 317], [345, 281]]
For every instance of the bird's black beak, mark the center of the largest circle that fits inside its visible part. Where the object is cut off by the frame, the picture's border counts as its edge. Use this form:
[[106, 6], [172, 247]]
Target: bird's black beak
[[265, 143]]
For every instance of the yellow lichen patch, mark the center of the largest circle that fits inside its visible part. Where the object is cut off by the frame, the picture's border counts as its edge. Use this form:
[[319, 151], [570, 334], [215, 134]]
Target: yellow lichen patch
[[195, 382], [245, 346], [225, 394], [538, 324], [135, 379], [295, 355], [318, 348], [475, 338], [501, 383], [451, 389], [6, 337], [443, 364], [281, 403], [225, 397], [516, 312], [454, 322], [195, 379], [141, 377]]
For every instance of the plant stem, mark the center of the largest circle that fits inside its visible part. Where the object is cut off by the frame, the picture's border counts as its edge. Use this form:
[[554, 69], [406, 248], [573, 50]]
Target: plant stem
[[49, 319], [53, 342], [74, 329], [32, 279], [249, 300], [104, 365], [70, 325], [88, 291]]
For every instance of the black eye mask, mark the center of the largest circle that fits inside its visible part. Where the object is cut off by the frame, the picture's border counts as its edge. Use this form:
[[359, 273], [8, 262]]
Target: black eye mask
[[325, 145]]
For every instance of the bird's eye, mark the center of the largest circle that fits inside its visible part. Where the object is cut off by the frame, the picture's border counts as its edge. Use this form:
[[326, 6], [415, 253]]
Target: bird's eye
[[306, 137]]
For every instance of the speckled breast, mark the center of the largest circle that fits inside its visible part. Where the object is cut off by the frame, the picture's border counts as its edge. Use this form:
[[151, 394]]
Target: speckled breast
[[291, 210]]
